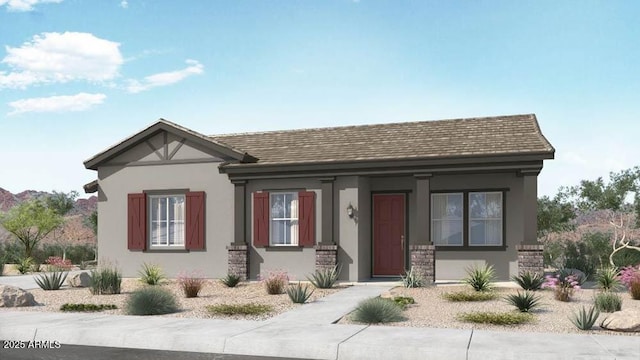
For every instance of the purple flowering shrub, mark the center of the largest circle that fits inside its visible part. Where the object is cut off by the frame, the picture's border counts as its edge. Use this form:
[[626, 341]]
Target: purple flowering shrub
[[563, 285], [630, 277]]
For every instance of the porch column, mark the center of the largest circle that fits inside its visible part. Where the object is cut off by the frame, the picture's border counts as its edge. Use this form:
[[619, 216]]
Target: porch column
[[530, 251], [238, 251], [326, 249], [421, 251]]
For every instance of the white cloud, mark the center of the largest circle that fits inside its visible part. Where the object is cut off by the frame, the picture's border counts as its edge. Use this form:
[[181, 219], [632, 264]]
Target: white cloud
[[78, 102], [165, 78], [59, 58], [25, 5], [124, 4]]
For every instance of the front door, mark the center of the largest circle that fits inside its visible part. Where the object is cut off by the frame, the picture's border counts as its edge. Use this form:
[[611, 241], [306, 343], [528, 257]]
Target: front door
[[388, 234]]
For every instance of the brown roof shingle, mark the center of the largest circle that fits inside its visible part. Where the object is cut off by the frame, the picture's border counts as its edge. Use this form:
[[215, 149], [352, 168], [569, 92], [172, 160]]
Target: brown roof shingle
[[515, 134]]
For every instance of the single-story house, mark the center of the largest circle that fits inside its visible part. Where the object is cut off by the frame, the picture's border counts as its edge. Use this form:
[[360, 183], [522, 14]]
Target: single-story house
[[438, 196]]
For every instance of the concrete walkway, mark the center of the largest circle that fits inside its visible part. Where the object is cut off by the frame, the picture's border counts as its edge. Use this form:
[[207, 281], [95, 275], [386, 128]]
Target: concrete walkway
[[26, 282], [309, 333]]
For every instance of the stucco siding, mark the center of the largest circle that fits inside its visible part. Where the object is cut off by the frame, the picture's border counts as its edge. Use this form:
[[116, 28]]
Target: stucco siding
[[115, 182]]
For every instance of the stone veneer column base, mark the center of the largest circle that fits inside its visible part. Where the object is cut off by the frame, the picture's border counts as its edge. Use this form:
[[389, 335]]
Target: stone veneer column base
[[530, 258], [238, 259], [326, 256], [423, 260]]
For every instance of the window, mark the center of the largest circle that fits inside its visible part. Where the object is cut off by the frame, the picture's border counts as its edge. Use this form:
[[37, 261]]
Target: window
[[283, 219], [467, 219], [166, 220], [446, 219]]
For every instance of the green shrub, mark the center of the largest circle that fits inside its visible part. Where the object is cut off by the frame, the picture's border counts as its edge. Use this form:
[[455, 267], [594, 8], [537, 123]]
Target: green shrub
[[191, 283], [496, 318], [480, 278], [105, 280], [325, 278], [607, 278], [299, 294], [231, 280], [275, 282], [470, 296], [151, 300], [51, 281], [404, 301], [584, 319], [608, 302], [529, 280], [151, 274], [239, 309], [87, 307], [377, 310], [588, 254], [25, 265], [525, 301], [413, 279]]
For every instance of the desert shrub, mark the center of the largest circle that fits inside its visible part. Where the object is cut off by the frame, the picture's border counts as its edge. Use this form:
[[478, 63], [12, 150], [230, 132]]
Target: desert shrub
[[607, 278], [25, 265], [151, 300], [458, 296], [377, 310], [630, 277], [13, 252], [563, 285], [325, 278], [151, 274], [275, 282], [626, 257], [608, 301], [191, 283], [584, 319], [52, 280], [528, 280], [588, 254], [58, 263], [239, 309], [496, 318], [105, 280], [413, 279], [404, 301], [87, 307], [299, 294], [231, 280], [480, 278], [524, 301]]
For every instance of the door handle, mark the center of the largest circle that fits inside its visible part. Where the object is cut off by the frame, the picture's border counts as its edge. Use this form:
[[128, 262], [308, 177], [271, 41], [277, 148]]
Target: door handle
[[402, 242]]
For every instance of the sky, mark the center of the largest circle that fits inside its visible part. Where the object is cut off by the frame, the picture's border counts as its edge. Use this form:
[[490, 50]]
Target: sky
[[77, 76]]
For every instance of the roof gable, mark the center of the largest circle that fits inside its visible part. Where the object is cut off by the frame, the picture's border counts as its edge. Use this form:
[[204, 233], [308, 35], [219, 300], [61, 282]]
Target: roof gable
[[147, 135]]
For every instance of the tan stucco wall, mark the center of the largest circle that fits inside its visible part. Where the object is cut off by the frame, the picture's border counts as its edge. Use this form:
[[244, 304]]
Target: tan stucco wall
[[115, 182]]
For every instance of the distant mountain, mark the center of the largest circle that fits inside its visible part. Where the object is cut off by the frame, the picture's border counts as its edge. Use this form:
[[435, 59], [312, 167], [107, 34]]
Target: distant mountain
[[9, 200]]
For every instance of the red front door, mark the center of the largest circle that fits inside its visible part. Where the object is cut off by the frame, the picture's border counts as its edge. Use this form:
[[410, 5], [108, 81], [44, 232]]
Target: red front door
[[388, 234]]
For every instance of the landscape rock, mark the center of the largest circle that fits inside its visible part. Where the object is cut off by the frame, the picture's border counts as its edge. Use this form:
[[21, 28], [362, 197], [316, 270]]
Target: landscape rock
[[79, 280], [626, 320], [12, 296]]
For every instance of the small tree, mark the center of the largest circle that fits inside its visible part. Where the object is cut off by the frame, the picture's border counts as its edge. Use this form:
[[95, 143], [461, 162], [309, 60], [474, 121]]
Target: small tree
[[622, 235], [91, 221], [30, 222], [72, 232], [60, 202]]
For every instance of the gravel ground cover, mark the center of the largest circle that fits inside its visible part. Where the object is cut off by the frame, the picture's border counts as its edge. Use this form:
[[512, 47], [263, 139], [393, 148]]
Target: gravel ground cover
[[212, 293], [432, 310]]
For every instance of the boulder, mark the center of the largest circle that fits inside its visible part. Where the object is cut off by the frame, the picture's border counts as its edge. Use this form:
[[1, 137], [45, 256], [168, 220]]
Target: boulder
[[627, 320], [13, 296], [79, 280]]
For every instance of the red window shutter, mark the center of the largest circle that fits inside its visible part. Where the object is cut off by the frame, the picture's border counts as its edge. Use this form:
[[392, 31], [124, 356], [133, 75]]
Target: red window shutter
[[194, 234], [137, 221], [261, 219], [306, 218]]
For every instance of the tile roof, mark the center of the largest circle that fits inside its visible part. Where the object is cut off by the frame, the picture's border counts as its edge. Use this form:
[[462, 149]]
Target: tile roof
[[500, 135]]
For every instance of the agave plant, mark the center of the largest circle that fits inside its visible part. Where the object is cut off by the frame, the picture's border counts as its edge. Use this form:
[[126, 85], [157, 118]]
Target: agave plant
[[480, 278], [51, 281], [529, 280], [525, 301], [325, 278], [413, 279], [584, 319], [231, 280], [299, 294]]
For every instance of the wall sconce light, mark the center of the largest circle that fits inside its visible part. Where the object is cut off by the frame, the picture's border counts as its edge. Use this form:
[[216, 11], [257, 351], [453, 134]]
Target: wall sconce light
[[350, 210]]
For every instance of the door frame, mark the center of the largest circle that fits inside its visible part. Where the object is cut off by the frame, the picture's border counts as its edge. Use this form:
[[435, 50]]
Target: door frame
[[405, 254]]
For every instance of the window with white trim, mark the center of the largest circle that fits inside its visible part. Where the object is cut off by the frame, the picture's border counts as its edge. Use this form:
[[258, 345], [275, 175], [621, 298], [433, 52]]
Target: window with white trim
[[447, 219], [283, 218], [485, 218], [166, 220]]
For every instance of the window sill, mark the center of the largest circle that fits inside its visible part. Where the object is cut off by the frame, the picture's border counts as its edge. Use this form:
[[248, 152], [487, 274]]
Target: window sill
[[167, 249], [471, 248], [283, 248]]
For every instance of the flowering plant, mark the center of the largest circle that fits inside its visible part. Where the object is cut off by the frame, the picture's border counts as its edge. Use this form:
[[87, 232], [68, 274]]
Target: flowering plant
[[58, 263], [191, 282], [275, 281], [562, 285], [630, 277]]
